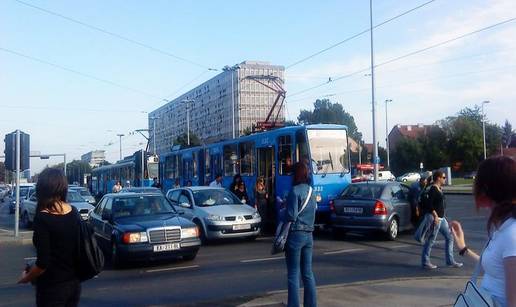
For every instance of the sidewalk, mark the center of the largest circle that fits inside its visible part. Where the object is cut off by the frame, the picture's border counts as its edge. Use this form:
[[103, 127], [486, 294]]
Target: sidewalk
[[7, 237], [458, 189], [421, 291]]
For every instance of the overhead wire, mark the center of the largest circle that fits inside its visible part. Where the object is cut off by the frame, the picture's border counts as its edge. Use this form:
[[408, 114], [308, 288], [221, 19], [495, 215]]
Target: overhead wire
[[119, 36], [78, 72], [331, 80], [357, 35]]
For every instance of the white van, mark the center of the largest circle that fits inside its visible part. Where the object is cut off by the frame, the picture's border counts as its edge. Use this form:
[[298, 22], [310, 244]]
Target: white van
[[386, 175]]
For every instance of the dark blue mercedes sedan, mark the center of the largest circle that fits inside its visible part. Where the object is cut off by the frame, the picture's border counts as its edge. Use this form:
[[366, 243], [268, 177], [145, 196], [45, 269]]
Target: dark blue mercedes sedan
[[141, 227]]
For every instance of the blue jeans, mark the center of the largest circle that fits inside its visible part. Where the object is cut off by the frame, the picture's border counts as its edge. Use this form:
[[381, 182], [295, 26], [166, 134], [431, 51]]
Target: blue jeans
[[298, 251], [444, 229]]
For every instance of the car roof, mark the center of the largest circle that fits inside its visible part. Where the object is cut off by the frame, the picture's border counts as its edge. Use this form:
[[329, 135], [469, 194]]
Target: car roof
[[200, 188], [132, 194], [371, 182]]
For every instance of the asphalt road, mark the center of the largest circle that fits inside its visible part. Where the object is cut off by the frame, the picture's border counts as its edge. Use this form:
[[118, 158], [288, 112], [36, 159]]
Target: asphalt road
[[227, 271]]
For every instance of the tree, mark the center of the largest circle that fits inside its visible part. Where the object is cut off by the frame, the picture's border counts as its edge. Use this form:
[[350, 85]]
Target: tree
[[326, 112], [407, 156], [507, 134], [183, 140], [435, 154], [465, 143]]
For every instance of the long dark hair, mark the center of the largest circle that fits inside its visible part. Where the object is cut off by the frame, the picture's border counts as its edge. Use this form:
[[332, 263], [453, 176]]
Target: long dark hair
[[51, 190], [496, 180], [301, 173]]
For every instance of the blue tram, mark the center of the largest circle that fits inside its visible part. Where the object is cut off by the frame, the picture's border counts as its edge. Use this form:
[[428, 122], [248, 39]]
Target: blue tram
[[138, 169], [270, 155]]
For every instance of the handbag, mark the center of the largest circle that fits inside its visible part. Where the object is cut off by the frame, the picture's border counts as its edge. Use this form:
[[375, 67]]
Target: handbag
[[91, 258], [283, 229], [474, 296]]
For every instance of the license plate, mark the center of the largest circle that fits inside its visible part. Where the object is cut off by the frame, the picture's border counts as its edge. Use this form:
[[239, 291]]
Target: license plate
[[242, 227], [166, 247], [357, 210]]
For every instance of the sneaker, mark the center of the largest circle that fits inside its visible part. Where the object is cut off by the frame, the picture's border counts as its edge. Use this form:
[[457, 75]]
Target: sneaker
[[429, 266], [456, 265]]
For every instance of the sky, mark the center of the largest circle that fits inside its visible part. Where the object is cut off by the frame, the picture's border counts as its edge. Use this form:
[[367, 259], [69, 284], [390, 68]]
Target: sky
[[73, 86]]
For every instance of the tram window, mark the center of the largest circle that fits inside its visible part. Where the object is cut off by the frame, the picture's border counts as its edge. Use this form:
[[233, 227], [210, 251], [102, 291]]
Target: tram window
[[195, 168], [169, 167], [301, 147], [230, 160], [247, 158], [207, 160], [285, 155]]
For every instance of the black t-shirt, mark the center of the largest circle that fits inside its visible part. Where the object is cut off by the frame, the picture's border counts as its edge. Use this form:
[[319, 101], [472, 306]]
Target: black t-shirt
[[56, 238], [436, 201]]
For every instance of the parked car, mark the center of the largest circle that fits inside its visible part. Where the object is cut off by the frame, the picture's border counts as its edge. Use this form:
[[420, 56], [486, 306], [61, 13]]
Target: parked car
[[85, 193], [386, 175], [26, 191], [409, 177], [28, 210], [4, 192], [382, 206], [217, 212], [142, 226], [141, 190]]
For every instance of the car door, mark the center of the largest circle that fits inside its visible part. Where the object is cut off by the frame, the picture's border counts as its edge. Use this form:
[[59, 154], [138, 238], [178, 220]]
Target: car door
[[107, 227], [95, 219], [402, 206], [30, 205], [185, 204]]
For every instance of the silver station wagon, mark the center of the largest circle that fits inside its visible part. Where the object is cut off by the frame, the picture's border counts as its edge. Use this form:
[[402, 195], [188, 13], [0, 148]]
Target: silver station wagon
[[217, 212]]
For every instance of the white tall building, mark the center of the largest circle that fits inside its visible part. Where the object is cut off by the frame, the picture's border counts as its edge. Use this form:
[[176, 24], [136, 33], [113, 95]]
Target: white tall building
[[210, 105], [95, 157]]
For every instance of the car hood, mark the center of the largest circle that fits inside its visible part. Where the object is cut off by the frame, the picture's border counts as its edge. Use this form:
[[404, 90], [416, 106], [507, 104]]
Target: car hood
[[82, 205], [142, 223], [228, 210]]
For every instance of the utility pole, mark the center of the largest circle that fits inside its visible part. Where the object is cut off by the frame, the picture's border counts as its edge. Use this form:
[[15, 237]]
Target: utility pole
[[375, 144], [154, 132], [120, 138], [17, 208], [484, 127], [387, 134]]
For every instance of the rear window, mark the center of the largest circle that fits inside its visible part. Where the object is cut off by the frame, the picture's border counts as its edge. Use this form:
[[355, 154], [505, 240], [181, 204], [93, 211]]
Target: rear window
[[362, 191]]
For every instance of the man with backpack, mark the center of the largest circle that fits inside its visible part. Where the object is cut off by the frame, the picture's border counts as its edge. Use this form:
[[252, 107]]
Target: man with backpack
[[416, 189]]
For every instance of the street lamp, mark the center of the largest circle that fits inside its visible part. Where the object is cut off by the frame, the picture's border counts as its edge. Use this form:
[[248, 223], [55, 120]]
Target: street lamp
[[484, 127], [375, 144], [387, 134], [120, 138], [187, 102], [153, 118]]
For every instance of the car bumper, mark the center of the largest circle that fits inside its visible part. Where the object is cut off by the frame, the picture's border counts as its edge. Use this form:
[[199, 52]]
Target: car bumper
[[359, 222], [145, 251], [228, 231]]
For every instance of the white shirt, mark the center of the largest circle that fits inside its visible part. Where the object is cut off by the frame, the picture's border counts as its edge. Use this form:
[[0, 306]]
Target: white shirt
[[215, 184], [502, 245]]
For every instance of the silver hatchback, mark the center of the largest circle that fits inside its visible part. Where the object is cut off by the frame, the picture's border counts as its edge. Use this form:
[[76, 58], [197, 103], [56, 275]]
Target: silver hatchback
[[217, 212]]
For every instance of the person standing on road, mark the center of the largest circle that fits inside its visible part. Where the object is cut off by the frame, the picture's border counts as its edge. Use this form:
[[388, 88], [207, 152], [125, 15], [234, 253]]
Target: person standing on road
[[436, 206], [217, 183], [236, 181], [155, 183], [117, 187], [241, 193], [495, 188], [56, 239], [299, 246], [414, 198], [261, 198]]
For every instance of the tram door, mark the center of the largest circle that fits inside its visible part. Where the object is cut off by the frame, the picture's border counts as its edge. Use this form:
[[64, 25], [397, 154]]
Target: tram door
[[266, 169]]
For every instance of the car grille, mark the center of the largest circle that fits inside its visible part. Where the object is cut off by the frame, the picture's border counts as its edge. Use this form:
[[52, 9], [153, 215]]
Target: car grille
[[230, 218], [165, 235], [84, 211]]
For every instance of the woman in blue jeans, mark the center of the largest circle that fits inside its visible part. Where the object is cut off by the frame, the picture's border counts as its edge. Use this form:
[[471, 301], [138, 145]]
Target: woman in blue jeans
[[298, 250]]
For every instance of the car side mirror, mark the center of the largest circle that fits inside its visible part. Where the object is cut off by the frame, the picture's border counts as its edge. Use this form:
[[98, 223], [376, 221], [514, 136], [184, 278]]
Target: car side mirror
[[185, 205], [106, 216]]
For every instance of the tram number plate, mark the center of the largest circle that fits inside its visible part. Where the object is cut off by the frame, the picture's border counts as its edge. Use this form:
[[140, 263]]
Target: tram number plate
[[242, 227], [166, 247], [356, 210]]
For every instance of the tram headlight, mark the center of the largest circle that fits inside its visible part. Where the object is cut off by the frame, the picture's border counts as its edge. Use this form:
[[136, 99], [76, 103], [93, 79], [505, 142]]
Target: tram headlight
[[318, 198]]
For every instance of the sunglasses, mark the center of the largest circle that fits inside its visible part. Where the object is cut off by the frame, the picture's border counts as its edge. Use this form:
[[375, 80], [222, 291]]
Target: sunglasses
[[443, 177]]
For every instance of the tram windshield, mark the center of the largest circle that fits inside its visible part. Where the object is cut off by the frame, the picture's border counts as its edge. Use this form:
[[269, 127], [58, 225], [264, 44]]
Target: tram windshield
[[328, 149]]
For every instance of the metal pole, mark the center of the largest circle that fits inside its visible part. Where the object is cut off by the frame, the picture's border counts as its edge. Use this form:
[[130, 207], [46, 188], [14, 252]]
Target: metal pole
[[375, 144], [387, 135], [232, 101], [484, 128], [17, 208], [143, 170], [188, 122], [64, 159], [154, 133], [120, 137]]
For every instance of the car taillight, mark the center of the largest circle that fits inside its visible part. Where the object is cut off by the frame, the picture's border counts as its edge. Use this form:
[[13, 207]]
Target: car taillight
[[379, 208], [332, 206]]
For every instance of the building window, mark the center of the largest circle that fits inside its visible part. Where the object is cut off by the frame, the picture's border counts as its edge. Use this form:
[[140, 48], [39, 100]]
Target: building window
[[247, 158]]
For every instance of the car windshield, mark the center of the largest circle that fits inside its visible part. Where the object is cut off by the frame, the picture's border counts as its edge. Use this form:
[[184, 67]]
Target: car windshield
[[83, 192], [140, 206], [363, 191], [328, 149], [215, 197], [74, 197]]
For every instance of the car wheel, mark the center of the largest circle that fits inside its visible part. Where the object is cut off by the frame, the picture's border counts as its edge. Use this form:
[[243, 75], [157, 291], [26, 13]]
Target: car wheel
[[190, 257], [393, 229], [25, 221]]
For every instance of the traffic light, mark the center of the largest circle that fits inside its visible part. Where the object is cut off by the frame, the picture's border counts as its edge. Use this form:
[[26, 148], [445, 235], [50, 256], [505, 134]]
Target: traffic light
[[10, 151]]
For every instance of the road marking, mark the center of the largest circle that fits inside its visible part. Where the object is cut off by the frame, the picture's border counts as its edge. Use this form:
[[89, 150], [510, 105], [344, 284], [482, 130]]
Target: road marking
[[399, 246], [12, 231], [263, 238], [262, 259], [173, 269], [30, 258], [342, 251]]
